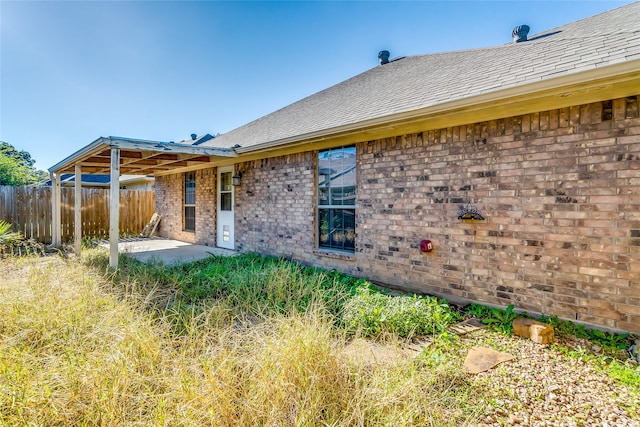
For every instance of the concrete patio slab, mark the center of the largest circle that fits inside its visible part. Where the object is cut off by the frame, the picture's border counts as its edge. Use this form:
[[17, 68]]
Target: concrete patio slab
[[168, 252]]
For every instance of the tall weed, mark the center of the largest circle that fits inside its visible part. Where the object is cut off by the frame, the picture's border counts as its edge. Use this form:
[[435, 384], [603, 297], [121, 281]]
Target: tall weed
[[79, 350], [371, 313]]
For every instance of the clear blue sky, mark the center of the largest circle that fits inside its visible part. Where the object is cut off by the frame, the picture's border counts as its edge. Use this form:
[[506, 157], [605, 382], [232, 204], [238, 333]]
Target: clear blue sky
[[75, 70]]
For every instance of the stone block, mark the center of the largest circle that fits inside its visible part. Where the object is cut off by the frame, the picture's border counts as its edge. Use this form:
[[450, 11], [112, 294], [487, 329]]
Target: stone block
[[537, 332]]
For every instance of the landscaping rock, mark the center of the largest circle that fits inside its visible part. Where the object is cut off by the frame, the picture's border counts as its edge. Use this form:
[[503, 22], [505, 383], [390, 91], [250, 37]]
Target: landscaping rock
[[537, 332], [480, 359]]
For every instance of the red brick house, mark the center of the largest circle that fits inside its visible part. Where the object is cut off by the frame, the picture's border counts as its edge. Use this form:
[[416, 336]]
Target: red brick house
[[539, 139]]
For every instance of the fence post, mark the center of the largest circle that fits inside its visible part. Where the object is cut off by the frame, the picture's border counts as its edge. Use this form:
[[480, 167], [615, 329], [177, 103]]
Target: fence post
[[56, 211]]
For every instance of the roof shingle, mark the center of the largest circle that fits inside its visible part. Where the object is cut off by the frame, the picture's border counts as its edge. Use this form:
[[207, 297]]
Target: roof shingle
[[416, 82]]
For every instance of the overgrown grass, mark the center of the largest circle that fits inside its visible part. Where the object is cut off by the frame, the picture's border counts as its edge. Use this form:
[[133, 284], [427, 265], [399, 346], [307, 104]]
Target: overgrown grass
[[83, 346], [255, 284], [251, 286], [224, 342], [371, 313]]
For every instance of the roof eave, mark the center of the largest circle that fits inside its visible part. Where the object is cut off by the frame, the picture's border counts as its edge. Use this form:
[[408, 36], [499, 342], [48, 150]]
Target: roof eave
[[95, 146]]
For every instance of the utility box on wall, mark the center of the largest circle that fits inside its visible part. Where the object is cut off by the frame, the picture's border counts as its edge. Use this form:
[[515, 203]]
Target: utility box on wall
[[426, 246]]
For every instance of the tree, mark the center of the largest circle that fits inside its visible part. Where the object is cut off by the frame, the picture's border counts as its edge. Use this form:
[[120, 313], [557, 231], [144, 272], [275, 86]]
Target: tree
[[16, 167]]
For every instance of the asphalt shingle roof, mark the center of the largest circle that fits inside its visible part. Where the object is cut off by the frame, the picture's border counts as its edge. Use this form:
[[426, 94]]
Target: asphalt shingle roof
[[416, 82]]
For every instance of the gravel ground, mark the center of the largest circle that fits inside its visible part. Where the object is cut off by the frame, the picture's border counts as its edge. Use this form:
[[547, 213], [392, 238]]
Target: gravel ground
[[544, 387]]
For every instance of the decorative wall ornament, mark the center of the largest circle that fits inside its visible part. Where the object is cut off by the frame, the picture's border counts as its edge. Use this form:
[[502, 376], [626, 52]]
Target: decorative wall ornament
[[469, 211]]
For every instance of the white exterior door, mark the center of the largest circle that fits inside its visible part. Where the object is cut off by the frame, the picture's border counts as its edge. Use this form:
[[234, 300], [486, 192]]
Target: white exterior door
[[225, 208]]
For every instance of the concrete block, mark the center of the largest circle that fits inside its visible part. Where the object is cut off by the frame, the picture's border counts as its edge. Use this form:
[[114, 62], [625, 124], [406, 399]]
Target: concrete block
[[537, 332]]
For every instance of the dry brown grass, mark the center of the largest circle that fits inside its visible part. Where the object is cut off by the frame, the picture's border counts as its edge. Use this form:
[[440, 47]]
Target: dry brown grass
[[75, 352]]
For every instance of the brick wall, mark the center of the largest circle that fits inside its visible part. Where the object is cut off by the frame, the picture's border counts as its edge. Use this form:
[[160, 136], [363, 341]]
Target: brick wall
[[559, 190], [169, 199], [275, 206], [275, 212]]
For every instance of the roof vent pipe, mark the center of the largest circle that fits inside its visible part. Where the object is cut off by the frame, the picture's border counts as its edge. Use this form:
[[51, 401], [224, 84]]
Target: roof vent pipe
[[383, 56], [519, 33], [193, 136]]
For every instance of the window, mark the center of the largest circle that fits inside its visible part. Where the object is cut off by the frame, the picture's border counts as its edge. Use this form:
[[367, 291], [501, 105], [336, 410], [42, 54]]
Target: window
[[337, 199], [190, 201], [226, 191]]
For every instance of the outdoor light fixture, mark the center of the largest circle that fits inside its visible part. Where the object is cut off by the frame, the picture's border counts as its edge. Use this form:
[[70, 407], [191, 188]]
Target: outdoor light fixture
[[236, 179]]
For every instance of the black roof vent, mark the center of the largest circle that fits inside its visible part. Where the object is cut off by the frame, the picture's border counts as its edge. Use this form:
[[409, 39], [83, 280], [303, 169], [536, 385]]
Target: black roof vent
[[519, 33], [193, 136], [383, 56]]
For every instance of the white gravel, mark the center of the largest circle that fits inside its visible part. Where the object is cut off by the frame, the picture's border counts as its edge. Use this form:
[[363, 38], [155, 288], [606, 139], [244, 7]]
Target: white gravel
[[544, 387]]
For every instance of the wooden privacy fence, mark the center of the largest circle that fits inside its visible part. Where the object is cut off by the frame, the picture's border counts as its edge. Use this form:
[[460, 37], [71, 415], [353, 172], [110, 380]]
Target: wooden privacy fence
[[29, 210]]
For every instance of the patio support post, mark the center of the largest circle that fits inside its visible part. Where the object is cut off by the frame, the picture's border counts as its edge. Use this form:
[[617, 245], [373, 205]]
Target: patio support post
[[77, 211], [114, 208], [56, 211]]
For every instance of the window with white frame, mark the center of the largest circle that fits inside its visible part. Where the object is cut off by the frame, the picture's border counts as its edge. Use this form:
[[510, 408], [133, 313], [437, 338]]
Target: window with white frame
[[337, 199], [189, 201]]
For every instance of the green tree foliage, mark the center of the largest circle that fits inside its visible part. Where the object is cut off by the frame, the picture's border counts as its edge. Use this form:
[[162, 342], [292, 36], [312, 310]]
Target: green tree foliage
[[16, 167]]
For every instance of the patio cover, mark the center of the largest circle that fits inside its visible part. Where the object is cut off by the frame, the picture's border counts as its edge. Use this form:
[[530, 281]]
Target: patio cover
[[115, 156]]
